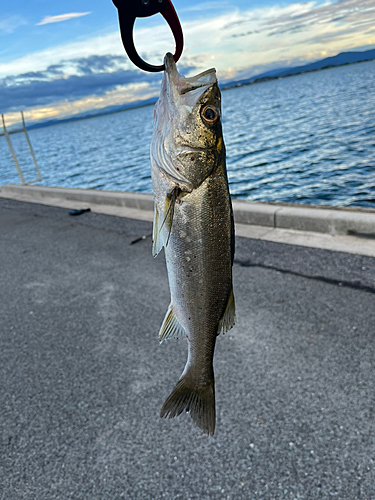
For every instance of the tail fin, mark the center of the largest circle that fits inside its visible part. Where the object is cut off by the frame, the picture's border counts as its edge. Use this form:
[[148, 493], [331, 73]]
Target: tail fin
[[197, 400]]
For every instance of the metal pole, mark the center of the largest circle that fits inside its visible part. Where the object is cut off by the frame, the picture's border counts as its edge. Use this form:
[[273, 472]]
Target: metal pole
[[31, 149], [13, 152]]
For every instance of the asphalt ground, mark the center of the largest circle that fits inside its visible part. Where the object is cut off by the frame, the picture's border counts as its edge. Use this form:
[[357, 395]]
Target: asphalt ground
[[83, 377]]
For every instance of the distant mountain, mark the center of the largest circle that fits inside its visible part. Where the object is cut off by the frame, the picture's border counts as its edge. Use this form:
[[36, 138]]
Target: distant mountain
[[328, 62]]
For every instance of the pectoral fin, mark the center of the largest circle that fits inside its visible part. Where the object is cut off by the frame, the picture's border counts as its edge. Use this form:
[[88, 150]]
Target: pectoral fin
[[169, 212], [171, 327], [157, 239], [163, 227], [229, 316]]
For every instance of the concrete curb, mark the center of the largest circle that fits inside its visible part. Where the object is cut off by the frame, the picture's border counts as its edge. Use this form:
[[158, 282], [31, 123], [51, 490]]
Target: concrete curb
[[88, 196], [305, 218], [353, 229]]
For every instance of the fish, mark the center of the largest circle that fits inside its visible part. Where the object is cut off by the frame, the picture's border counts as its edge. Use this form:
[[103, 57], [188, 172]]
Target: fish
[[193, 222]]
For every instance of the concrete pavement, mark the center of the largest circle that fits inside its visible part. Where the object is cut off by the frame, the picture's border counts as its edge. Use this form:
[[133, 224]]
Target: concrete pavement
[[83, 377]]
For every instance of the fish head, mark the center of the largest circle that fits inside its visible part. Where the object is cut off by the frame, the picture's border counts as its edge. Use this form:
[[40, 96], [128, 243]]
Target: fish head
[[187, 141]]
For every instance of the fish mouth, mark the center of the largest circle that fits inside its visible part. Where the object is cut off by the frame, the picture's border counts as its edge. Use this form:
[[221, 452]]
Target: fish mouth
[[187, 84]]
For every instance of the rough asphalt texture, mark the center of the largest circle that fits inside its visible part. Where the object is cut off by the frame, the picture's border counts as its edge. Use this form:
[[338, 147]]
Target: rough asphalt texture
[[83, 377]]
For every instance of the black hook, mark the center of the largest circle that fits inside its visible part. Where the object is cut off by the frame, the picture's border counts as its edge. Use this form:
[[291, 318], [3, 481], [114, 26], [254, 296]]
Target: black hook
[[129, 10]]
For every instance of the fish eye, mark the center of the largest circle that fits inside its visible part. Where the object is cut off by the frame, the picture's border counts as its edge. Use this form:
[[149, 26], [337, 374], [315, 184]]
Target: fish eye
[[210, 114]]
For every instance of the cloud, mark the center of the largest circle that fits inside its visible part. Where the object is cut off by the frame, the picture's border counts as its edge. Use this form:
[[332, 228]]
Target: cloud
[[247, 33], [331, 12], [112, 100], [132, 93], [94, 76], [96, 64], [205, 6], [10, 24], [152, 44], [98, 85], [37, 88], [100, 45], [289, 29], [61, 17]]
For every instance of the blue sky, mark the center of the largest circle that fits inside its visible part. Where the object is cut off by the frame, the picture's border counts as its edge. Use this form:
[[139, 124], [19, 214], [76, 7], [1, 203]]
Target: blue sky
[[60, 59]]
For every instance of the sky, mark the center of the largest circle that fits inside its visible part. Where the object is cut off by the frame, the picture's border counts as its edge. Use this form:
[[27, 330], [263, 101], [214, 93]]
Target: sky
[[64, 59]]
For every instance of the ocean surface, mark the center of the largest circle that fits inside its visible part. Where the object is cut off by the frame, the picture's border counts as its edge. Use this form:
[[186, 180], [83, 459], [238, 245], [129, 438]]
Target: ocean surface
[[304, 139]]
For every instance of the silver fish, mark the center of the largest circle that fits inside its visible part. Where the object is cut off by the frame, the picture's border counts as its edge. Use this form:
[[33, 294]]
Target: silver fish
[[193, 221]]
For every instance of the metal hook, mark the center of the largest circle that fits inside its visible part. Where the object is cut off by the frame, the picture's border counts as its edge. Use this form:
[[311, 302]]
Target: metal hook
[[129, 10]]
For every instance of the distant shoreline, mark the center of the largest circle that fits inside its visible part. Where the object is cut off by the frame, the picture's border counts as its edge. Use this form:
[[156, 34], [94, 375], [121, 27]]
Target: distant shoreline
[[264, 79], [73, 119]]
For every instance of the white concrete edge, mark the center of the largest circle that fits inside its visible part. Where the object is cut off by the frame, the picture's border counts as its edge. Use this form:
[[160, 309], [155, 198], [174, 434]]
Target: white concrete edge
[[331, 229]]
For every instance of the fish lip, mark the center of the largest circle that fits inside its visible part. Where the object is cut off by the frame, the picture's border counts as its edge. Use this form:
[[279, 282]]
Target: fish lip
[[185, 84], [170, 67]]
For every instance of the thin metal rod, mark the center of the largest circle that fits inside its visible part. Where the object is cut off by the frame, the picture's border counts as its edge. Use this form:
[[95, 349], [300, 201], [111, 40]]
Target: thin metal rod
[[31, 149], [13, 152]]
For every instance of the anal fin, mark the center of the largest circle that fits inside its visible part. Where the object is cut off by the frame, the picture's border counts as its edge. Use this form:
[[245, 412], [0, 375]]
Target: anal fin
[[171, 327], [229, 317]]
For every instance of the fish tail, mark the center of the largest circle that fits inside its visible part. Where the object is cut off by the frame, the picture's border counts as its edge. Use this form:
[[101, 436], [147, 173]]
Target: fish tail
[[196, 399]]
